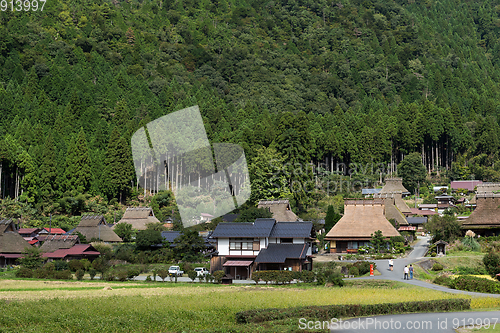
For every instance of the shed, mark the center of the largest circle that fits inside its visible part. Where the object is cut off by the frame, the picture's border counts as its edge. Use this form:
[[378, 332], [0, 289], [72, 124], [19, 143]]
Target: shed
[[441, 247], [281, 210]]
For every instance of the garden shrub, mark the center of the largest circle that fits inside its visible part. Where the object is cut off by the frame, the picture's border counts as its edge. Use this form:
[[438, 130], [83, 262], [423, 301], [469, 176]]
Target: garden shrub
[[307, 276], [492, 263], [42, 273], [92, 273], [218, 275], [192, 275], [437, 267], [476, 284], [354, 271], [63, 275], [327, 312], [79, 274], [24, 273], [61, 265], [471, 244], [443, 281], [132, 273], [110, 276], [75, 265]]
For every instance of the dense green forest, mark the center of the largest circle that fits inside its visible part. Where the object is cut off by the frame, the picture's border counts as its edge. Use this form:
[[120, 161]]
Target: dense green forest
[[310, 89]]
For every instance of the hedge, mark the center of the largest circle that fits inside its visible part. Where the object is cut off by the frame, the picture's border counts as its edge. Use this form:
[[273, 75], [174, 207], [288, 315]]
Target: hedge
[[327, 312], [476, 284]]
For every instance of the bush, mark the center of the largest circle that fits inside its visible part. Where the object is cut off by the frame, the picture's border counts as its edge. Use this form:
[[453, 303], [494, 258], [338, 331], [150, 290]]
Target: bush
[[63, 275], [464, 270], [218, 275], [61, 265], [476, 284], [75, 265], [110, 276], [24, 273], [492, 263], [132, 273], [354, 271], [443, 281], [92, 273], [148, 278], [471, 244], [306, 276], [79, 274], [325, 313], [192, 275], [437, 267], [121, 275]]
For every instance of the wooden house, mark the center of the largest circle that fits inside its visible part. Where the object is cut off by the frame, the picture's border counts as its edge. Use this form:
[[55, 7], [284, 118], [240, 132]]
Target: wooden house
[[12, 244], [362, 218], [280, 209], [265, 244], [76, 252], [95, 227], [138, 217]]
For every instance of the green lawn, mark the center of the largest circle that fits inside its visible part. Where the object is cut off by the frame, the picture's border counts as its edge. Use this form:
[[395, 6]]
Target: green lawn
[[58, 306]]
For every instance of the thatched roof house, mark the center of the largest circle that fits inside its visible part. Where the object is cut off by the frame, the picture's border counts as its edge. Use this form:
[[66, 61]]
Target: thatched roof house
[[361, 219], [95, 227], [485, 219], [138, 217], [281, 210], [11, 243], [488, 188], [395, 208], [57, 242], [394, 185]]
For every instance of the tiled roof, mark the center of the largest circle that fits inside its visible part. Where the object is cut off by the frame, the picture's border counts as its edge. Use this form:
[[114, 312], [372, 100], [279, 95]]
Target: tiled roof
[[416, 220], [278, 253], [27, 230], [291, 230], [259, 228], [416, 211], [55, 230], [170, 236], [76, 250]]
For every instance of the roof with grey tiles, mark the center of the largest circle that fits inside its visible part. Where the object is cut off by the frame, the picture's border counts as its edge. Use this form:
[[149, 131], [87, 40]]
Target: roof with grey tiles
[[278, 253]]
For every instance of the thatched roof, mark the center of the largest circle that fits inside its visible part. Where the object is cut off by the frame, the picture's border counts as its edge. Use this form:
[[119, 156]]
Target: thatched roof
[[94, 226], [281, 210], [138, 217], [361, 219], [392, 203], [10, 240], [486, 214], [393, 185], [56, 242], [488, 188]]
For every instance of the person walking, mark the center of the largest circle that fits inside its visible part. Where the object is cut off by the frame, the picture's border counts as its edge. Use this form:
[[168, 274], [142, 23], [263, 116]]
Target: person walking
[[411, 272], [406, 270], [391, 264]]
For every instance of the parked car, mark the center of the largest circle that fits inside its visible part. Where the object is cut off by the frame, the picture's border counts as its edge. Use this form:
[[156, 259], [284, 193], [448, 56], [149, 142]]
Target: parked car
[[175, 270], [201, 271]]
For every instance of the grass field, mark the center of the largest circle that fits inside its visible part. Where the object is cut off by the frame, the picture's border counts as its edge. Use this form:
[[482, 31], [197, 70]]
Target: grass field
[[56, 306]]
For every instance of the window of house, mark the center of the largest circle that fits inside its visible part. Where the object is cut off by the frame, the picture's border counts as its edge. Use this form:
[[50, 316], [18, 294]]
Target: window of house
[[286, 240], [241, 244]]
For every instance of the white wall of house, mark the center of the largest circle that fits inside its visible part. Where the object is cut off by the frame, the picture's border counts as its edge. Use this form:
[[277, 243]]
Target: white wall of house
[[299, 241], [223, 246], [263, 243]]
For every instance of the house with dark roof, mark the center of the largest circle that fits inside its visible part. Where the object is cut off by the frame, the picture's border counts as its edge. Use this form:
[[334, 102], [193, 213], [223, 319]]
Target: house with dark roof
[[95, 227], [417, 221], [281, 210], [77, 251], [362, 218], [243, 247], [138, 217], [170, 236], [11, 243]]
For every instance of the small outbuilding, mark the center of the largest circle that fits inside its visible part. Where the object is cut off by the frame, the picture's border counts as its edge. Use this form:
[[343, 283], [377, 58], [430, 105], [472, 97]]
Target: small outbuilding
[[441, 247], [95, 227], [138, 217]]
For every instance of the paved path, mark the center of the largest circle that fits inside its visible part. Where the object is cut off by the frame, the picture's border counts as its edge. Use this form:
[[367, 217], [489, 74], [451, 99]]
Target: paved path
[[416, 322], [417, 254]]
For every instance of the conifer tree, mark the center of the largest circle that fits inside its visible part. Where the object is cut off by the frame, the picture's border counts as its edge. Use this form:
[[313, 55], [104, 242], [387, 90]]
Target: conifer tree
[[118, 170], [77, 173], [48, 171]]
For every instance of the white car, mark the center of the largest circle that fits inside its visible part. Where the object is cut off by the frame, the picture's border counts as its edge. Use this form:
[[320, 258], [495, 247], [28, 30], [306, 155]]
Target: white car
[[175, 270], [201, 271]]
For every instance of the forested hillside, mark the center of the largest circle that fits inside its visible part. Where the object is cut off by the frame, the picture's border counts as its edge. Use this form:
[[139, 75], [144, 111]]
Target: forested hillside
[[349, 83]]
